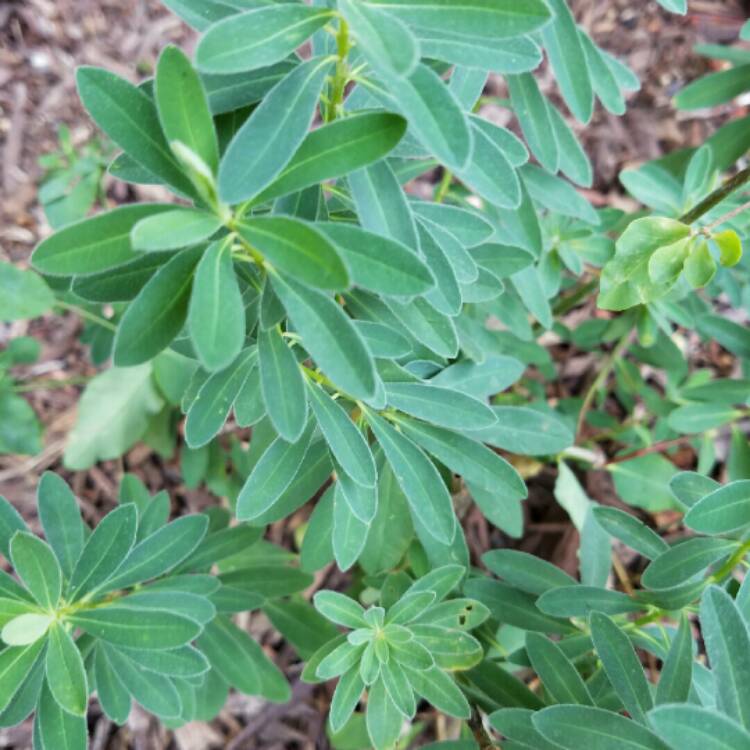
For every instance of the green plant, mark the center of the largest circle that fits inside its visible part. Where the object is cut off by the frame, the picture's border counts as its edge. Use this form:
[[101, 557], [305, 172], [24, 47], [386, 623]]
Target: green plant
[[296, 288]]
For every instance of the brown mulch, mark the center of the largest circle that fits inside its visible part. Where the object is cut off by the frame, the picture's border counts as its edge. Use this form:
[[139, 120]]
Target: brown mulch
[[41, 43]]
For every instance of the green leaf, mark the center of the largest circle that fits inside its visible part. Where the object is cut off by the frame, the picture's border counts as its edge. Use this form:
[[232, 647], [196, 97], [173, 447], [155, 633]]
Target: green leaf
[[186, 661], [677, 671], [533, 113], [23, 294], [216, 314], [173, 230], [622, 665], [66, 675], [715, 88], [337, 149], [516, 724], [55, 727], [681, 562], [149, 629], [728, 646], [282, 384], [700, 266], [129, 117], [113, 696], [241, 661], [341, 609], [528, 573], [298, 249], [104, 551], [345, 698], [467, 227], [258, 37], [329, 336], [397, 685], [125, 284], [23, 629], [563, 46], [159, 553], [16, 662], [209, 410], [10, 523], [349, 531], [643, 481], [436, 687], [629, 530], [346, 442], [573, 161], [472, 460], [573, 727], [434, 115], [385, 41], [441, 406], [451, 649], [61, 520], [692, 727], [113, 414], [418, 478], [183, 106], [525, 431], [158, 313], [722, 511], [25, 698], [480, 18], [730, 247], [581, 601], [266, 142], [557, 673], [383, 718], [272, 475], [557, 195], [378, 263], [96, 244], [38, 568]]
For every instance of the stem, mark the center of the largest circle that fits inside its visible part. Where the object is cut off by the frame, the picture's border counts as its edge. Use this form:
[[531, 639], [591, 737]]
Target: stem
[[726, 217], [716, 197], [341, 77], [730, 564], [600, 379], [46, 385], [567, 303], [444, 186], [480, 733], [83, 313]]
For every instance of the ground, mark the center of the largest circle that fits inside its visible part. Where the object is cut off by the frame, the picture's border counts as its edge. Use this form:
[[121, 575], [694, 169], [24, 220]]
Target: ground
[[41, 43]]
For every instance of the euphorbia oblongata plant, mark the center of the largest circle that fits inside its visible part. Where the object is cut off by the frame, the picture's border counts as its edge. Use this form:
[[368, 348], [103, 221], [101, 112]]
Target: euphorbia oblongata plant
[[389, 351]]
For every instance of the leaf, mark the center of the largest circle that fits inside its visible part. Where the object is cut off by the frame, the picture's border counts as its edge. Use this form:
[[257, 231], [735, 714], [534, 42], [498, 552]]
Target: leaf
[[158, 553], [642, 481], [23, 294], [129, 117], [37, 567], [241, 661], [66, 675], [581, 601], [418, 478], [345, 440], [111, 693], [730, 247], [440, 690], [467, 227], [216, 314], [341, 609], [481, 18], [61, 520], [409, 607], [337, 149], [684, 560], [692, 727], [96, 244], [257, 38], [55, 728], [525, 431], [383, 718], [470, 459], [528, 573], [173, 230], [377, 263], [16, 662], [385, 41], [557, 195], [629, 530], [157, 314], [722, 511], [714, 89], [397, 685], [183, 106], [532, 110], [186, 661], [345, 698], [434, 115], [23, 629], [349, 531], [563, 46], [104, 551], [572, 727], [297, 248], [516, 724], [149, 629], [622, 665], [557, 673], [677, 671], [268, 139], [573, 161], [329, 336], [728, 646], [272, 475], [209, 410]]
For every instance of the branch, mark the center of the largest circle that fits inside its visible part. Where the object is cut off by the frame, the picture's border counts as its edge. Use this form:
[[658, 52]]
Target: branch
[[716, 197]]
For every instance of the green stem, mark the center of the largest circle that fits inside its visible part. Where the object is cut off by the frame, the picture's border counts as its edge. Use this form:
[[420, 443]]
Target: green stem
[[568, 302], [731, 563], [83, 313], [46, 385], [716, 197], [444, 186], [341, 77], [607, 367]]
